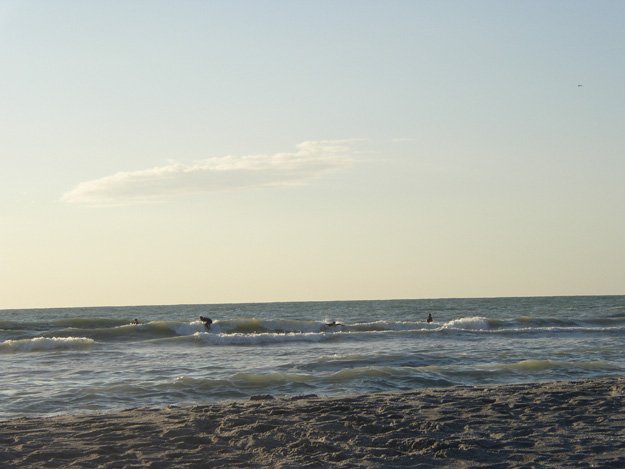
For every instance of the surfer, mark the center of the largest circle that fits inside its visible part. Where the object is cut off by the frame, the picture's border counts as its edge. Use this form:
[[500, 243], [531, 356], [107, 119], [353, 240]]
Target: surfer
[[429, 319], [136, 322], [334, 323], [207, 322]]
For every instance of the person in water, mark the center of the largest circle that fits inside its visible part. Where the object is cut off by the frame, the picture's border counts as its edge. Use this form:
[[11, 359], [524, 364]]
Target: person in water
[[207, 322], [429, 319], [334, 323], [136, 322]]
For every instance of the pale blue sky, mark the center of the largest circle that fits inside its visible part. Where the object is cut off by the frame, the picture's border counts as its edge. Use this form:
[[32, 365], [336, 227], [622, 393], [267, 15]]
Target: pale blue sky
[[236, 151]]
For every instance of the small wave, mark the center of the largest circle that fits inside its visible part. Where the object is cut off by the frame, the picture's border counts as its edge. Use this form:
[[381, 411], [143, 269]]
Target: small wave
[[45, 343], [525, 367], [398, 326], [255, 327], [529, 321], [258, 326], [179, 327], [368, 372], [9, 325], [281, 326], [473, 323], [530, 369], [268, 379], [259, 339], [540, 365]]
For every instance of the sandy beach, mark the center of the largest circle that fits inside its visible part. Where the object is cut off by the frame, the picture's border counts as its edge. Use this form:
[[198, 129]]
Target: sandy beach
[[556, 424]]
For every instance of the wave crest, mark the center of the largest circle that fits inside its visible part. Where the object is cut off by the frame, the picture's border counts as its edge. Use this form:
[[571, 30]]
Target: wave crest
[[45, 343], [473, 323]]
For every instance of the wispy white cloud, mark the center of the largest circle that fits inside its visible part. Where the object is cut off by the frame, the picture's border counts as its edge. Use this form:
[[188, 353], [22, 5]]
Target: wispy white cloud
[[310, 160]]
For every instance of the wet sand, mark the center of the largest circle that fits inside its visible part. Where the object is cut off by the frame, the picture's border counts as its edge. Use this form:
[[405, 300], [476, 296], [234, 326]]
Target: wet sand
[[555, 424]]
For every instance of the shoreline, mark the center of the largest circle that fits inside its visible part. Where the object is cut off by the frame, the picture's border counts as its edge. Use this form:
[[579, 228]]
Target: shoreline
[[556, 424]]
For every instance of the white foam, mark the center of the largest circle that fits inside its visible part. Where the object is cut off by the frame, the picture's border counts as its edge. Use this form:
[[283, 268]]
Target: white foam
[[473, 323], [257, 339], [45, 343]]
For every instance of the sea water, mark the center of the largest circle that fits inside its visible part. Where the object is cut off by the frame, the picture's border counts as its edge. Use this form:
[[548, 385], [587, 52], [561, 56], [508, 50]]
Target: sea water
[[78, 360]]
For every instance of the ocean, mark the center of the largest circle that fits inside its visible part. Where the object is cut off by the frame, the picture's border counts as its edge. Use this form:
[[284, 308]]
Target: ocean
[[82, 360]]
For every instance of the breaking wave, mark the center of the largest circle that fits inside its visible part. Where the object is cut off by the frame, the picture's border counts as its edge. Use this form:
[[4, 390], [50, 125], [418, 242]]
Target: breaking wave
[[46, 343]]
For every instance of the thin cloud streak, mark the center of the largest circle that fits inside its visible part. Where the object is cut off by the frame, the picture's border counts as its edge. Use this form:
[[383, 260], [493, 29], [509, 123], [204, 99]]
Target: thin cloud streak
[[310, 160]]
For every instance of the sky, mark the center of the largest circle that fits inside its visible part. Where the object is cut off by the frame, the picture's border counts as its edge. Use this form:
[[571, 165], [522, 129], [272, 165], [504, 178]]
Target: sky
[[194, 152]]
